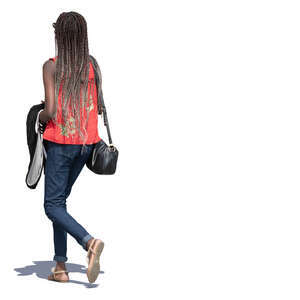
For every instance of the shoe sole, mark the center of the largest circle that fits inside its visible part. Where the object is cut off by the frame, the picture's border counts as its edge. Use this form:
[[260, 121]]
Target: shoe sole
[[62, 281], [94, 264]]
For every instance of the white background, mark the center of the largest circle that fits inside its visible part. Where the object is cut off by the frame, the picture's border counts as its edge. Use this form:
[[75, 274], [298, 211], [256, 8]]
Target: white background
[[203, 103]]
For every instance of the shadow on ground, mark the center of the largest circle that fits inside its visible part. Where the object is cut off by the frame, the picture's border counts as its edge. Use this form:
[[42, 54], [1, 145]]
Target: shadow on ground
[[43, 268]]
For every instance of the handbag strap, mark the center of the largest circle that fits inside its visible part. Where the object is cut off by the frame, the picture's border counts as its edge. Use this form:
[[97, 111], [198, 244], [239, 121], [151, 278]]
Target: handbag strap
[[100, 100]]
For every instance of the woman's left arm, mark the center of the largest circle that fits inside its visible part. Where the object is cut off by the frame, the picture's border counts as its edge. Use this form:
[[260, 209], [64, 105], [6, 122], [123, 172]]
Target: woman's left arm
[[49, 86]]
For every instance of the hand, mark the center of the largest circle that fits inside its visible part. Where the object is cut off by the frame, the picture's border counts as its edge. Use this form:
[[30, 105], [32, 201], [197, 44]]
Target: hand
[[42, 126]]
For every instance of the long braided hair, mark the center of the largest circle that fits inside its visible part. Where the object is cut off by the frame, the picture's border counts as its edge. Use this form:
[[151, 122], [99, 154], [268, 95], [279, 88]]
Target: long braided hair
[[72, 69]]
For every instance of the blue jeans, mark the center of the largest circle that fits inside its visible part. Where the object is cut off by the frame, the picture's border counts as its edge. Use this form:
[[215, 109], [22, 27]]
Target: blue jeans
[[62, 167]]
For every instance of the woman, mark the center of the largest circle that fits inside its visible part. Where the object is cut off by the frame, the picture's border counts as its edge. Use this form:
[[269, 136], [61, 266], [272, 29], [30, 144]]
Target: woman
[[69, 123]]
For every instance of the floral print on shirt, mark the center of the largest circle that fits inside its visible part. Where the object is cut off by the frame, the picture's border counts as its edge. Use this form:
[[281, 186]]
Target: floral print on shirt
[[70, 128]]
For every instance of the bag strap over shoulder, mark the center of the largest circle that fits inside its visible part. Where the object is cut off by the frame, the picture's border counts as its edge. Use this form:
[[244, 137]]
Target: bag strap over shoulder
[[100, 100]]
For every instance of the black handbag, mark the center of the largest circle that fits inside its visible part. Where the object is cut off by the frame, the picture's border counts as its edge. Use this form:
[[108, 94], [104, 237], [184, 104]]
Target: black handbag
[[103, 159]]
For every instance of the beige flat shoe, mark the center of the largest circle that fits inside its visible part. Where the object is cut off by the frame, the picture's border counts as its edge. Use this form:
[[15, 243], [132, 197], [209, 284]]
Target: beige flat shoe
[[92, 258], [53, 278]]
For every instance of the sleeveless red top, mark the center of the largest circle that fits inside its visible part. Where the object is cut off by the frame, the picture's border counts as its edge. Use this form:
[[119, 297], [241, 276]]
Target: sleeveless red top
[[66, 133]]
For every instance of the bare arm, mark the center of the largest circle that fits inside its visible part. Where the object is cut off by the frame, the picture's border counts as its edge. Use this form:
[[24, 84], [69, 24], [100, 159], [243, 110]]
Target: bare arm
[[49, 86]]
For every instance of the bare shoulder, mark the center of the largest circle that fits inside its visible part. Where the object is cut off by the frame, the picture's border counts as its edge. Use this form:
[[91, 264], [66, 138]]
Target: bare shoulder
[[49, 67]]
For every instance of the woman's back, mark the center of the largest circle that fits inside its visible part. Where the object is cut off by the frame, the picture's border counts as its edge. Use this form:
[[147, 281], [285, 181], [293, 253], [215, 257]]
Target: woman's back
[[66, 133]]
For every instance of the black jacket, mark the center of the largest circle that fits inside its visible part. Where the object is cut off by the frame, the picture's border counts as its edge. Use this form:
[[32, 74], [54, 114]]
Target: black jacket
[[36, 148]]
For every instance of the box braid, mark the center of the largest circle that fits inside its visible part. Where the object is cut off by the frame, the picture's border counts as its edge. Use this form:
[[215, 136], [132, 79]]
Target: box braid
[[72, 67]]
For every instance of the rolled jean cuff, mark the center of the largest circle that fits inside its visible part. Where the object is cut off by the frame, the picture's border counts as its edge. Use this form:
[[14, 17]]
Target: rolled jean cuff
[[85, 240], [60, 258]]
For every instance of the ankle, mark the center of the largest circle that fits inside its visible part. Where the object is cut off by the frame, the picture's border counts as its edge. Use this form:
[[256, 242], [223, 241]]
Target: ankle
[[89, 242], [60, 266]]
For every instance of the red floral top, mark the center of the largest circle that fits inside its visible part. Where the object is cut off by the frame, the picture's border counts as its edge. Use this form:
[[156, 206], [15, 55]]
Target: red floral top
[[67, 133]]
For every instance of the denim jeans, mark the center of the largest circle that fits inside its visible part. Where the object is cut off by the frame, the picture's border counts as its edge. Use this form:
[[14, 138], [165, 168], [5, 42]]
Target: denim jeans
[[62, 167]]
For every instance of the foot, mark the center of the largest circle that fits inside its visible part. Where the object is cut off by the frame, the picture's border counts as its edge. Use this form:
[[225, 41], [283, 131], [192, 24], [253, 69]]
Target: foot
[[95, 247], [61, 275]]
